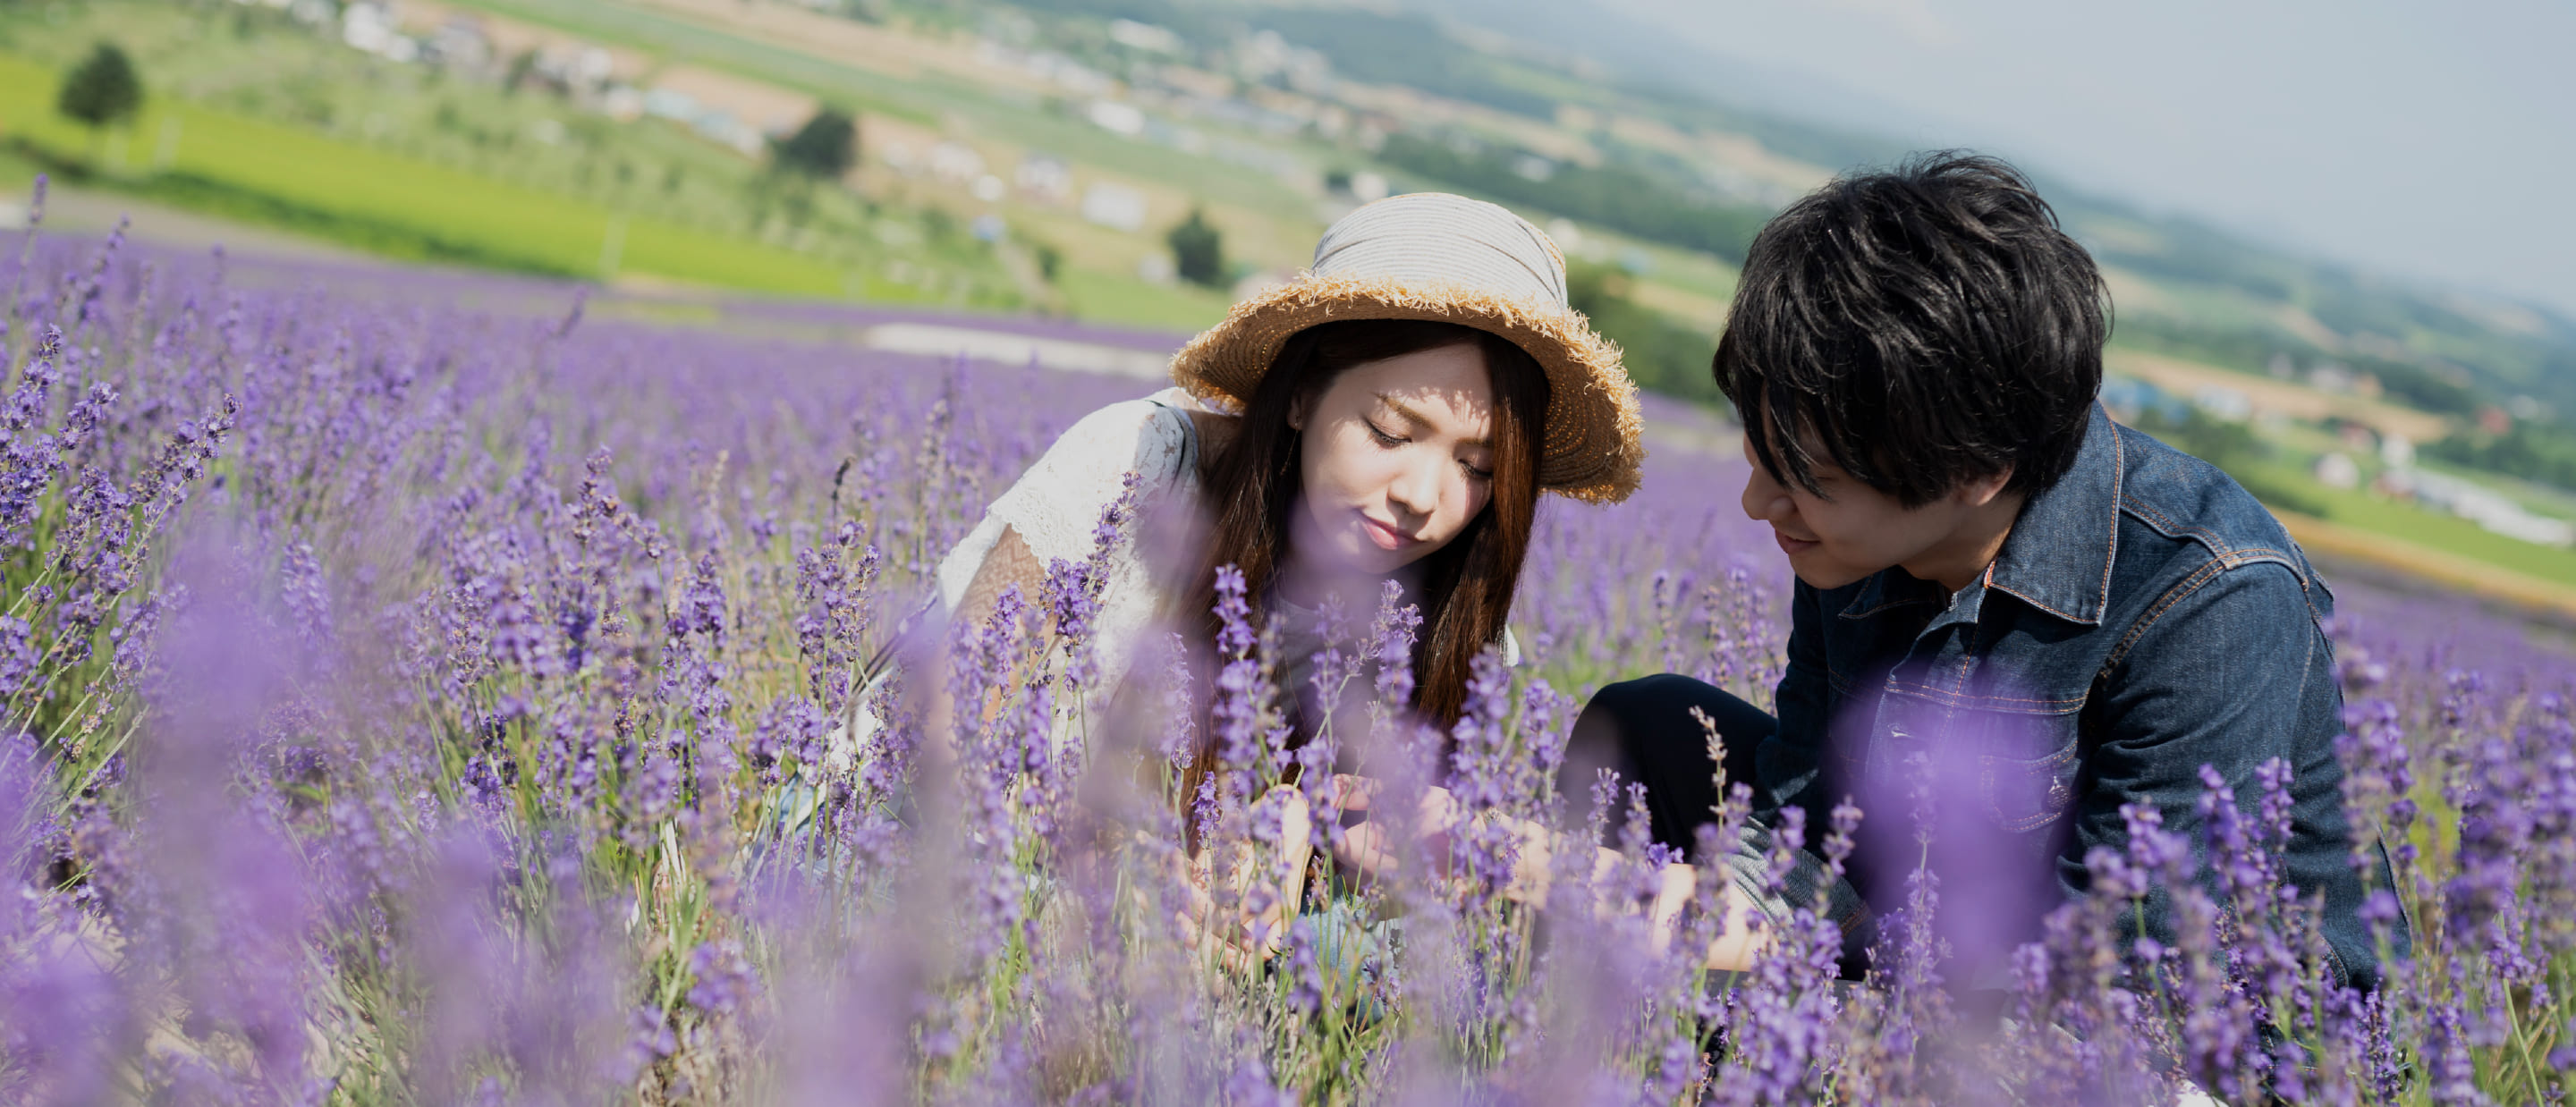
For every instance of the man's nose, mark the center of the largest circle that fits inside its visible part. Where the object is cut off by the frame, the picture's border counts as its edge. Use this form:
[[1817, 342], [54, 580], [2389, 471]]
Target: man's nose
[[1764, 498]]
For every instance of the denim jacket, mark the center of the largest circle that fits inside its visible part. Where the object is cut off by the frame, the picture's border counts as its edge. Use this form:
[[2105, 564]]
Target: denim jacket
[[2145, 617]]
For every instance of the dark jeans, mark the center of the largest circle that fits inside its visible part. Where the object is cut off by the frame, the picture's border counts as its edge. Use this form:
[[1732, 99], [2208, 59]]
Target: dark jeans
[[1643, 730]]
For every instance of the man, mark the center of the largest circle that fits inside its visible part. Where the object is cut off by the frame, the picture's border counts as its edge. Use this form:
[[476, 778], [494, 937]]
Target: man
[[2052, 615]]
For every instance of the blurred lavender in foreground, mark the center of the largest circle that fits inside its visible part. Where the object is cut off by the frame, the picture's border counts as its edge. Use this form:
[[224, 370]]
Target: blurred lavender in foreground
[[408, 704]]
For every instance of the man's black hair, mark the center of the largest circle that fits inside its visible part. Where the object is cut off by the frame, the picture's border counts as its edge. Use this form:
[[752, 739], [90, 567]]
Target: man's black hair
[[1924, 325]]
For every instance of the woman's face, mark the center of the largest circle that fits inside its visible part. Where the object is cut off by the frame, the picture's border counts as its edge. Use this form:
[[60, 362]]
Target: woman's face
[[1396, 458]]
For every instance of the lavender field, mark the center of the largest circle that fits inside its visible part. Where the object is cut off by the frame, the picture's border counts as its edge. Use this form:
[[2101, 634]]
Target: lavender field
[[413, 702]]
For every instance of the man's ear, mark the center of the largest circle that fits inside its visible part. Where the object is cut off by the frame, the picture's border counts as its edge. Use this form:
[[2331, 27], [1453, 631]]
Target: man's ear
[[1980, 491]]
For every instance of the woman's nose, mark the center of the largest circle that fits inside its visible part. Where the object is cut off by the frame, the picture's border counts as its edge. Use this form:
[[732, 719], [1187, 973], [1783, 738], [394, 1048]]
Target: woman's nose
[[1416, 488]]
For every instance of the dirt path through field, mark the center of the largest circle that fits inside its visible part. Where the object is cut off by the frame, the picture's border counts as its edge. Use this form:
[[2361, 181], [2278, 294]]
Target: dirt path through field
[[845, 41], [85, 212]]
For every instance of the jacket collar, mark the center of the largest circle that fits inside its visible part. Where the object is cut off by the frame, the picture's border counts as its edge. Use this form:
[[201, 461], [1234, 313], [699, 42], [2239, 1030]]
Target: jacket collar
[[2058, 556]]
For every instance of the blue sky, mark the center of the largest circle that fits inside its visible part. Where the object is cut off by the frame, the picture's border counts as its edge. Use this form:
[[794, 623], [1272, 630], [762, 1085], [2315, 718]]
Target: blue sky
[[2427, 141]]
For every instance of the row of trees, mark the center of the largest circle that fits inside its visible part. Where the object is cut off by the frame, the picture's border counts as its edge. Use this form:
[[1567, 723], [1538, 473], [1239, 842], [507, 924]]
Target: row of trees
[[2541, 452], [1620, 197]]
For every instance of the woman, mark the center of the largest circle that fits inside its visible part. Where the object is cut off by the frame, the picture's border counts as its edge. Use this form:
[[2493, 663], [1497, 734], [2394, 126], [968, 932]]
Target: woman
[[1391, 414]]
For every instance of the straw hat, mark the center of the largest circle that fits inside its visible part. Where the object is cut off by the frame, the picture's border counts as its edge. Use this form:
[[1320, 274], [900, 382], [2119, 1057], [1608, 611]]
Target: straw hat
[[1431, 255]]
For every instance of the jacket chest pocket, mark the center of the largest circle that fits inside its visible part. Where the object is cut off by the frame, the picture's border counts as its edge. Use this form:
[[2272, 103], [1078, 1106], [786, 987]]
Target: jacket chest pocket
[[2026, 768]]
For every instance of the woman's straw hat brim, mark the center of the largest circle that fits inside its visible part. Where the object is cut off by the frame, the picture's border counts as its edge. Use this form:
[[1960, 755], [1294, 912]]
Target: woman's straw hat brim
[[1591, 450]]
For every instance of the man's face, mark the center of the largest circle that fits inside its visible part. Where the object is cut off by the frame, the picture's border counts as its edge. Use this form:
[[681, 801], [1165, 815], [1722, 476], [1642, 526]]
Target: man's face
[[1854, 530]]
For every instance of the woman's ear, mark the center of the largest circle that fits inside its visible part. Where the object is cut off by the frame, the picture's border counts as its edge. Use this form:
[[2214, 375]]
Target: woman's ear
[[1297, 411]]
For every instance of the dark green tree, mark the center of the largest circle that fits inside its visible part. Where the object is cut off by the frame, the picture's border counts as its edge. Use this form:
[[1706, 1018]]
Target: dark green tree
[[823, 149], [102, 90], [1662, 355], [523, 68], [1198, 250]]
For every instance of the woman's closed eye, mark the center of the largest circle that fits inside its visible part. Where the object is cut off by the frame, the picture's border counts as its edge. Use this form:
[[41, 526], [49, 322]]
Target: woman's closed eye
[[1474, 470], [1383, 439]]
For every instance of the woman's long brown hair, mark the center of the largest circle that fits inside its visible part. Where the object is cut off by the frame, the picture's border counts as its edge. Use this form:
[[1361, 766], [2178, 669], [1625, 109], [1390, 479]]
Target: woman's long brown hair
[[1464, 589]]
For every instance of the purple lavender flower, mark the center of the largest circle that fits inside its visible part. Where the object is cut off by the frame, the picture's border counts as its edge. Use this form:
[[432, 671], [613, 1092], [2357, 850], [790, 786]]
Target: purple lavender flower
[[346, 703], [724, 981], [1391, 646]]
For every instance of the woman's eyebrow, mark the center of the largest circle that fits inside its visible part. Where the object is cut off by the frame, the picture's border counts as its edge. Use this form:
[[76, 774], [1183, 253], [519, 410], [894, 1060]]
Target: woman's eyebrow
[[1416, 418]]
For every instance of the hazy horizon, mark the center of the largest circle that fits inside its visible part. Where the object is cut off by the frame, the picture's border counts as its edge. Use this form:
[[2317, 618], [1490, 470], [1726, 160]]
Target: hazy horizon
[[2426, 145]]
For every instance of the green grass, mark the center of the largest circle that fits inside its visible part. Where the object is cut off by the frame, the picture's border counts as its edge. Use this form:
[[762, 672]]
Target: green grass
[[684, 211], [2422, 527], [2297, 447], [272, 173], [1130, 300], [276, 125], [679, 40], [927, 97]]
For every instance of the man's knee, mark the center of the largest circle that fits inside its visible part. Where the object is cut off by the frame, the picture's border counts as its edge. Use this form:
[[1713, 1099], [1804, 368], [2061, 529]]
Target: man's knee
[[1632, 703], [1651, 709]]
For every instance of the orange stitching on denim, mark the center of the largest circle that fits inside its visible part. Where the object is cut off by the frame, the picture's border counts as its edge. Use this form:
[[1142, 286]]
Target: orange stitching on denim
[[2209, 539], [2226, 551], [2110, 548], [2119, 492], [2147, 620], [2034, 601], [1963, 699], [2251, 556], [2309, 663]]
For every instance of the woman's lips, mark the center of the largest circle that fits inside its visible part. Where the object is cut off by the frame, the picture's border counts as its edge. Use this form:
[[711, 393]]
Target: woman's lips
[[1794, 546], [1384, 534]]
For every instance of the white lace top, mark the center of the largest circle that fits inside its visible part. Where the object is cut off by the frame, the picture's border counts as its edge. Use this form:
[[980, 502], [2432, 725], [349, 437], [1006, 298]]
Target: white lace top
[[1056, 507]]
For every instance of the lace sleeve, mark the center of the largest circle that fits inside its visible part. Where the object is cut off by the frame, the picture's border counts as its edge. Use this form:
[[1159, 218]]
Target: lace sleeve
[[1056, 505]]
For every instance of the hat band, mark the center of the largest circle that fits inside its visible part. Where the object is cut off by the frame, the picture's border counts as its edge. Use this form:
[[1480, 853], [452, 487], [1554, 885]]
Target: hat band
[[1423, 237]]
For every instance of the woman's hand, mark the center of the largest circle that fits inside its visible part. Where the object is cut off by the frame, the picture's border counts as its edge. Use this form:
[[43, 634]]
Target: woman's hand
[[1262, 886], [1372, 850]]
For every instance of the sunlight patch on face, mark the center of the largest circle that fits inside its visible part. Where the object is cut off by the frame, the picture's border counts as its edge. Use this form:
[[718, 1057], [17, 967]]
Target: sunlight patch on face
[[1396, 458]]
